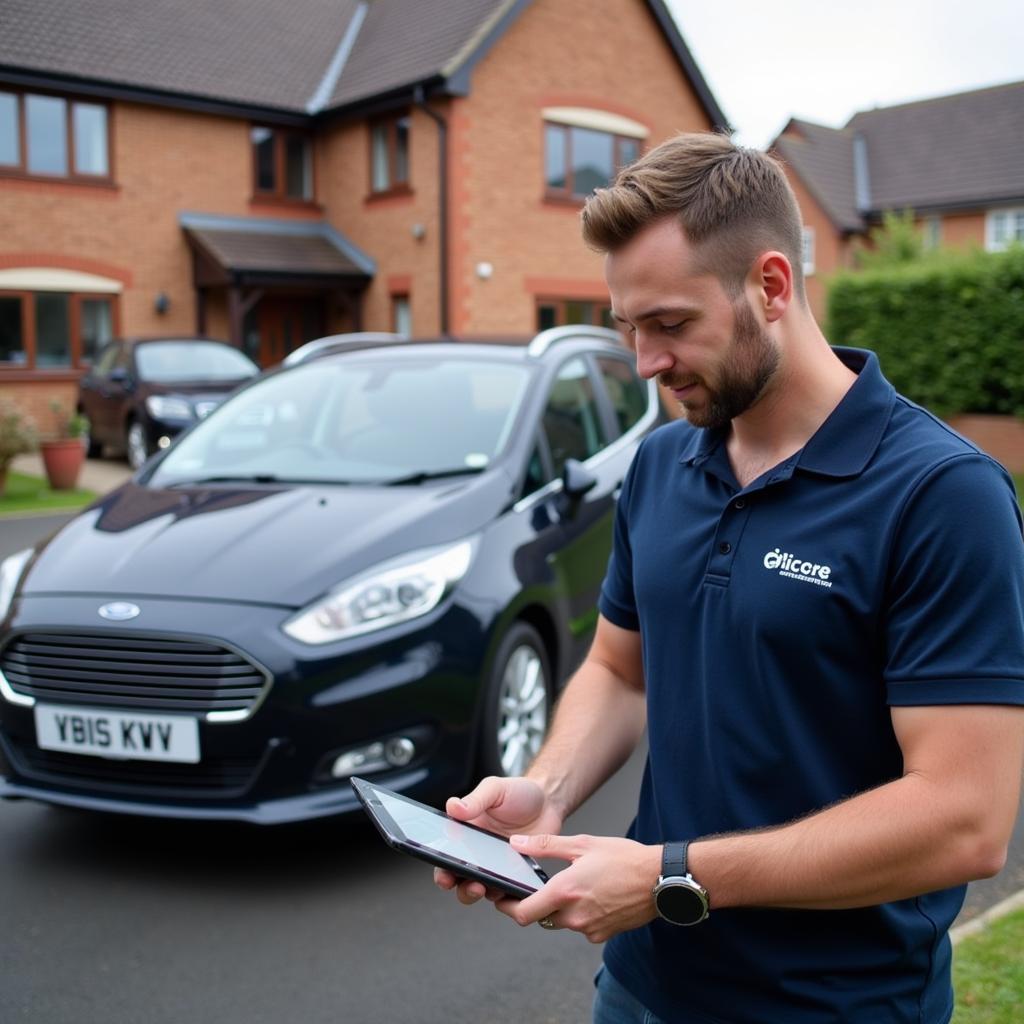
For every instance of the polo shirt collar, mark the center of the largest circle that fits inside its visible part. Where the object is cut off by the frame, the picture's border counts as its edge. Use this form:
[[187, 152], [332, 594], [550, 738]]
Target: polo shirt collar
[[844, 444]]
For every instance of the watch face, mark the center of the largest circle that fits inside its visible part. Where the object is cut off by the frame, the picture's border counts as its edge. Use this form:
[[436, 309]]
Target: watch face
[[680, 904]]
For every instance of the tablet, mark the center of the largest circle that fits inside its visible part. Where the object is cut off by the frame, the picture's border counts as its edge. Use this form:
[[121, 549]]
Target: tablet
[[464, 850]]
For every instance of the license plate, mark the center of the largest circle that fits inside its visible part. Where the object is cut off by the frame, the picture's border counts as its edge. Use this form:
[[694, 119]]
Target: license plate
[[117, 734]]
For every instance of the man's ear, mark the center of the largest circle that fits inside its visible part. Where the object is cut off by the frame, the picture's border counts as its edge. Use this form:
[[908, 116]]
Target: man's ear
[[771, 276]]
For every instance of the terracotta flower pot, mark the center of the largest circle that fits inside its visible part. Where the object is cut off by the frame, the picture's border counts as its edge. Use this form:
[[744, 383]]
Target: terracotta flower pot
[[63, 461]]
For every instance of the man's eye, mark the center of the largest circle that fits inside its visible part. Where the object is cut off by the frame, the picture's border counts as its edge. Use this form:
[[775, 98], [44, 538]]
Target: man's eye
[[674, 328]]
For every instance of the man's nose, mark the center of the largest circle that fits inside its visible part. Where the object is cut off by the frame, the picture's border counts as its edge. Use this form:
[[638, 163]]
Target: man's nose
[[651, 358]]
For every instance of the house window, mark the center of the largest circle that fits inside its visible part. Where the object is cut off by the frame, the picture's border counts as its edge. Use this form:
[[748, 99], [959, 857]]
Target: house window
[[282, 164], [931, 233], [53, 137], [389, 154], [401, 315], [579, 159], [53, 330], [807, 257], [560, 312], [1003, 228]]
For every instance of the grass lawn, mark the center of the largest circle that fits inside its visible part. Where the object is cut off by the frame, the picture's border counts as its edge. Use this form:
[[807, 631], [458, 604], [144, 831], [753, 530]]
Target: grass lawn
[[31, 494], [988, 974], [1018, 482]]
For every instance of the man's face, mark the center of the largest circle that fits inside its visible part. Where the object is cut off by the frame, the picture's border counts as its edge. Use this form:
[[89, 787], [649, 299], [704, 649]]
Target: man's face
[[707, 348]]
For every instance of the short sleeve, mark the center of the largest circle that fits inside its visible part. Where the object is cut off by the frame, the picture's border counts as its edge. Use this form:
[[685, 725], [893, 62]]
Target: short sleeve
[[618, 599], [954, 609]]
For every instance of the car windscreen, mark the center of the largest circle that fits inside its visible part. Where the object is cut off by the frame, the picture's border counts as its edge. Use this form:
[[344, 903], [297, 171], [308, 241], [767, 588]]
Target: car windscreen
[[357, 419], [169, 361]]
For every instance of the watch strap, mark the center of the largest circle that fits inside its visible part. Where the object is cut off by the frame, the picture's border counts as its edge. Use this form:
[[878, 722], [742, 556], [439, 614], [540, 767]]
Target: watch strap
[[673, 860]]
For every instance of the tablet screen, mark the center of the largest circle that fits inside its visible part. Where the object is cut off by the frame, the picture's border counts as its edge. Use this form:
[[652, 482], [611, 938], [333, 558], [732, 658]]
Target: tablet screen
[[451, 837]]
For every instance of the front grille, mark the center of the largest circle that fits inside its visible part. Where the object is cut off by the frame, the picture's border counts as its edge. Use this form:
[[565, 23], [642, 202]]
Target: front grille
[[220, 777], [150, 673]]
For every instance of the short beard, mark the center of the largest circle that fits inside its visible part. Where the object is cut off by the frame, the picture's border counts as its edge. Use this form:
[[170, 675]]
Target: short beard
[[749, 365]]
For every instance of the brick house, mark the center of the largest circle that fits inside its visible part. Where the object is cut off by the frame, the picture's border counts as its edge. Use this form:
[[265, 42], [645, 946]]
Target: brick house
[[267, 171], [957, 162]]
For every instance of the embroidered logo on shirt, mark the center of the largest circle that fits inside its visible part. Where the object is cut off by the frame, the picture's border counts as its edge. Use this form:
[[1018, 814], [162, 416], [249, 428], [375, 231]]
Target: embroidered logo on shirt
[[795, 568]]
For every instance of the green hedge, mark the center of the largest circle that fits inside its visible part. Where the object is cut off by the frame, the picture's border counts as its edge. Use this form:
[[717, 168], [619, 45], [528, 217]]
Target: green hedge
[[949, 330]]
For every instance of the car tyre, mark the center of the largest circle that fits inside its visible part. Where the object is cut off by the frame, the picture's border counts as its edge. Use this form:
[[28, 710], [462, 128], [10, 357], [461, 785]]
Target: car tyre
[[519, 703], [135, 445]]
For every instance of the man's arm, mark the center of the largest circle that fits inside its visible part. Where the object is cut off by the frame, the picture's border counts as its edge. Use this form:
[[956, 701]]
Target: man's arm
[[945, 821], [599, 721]]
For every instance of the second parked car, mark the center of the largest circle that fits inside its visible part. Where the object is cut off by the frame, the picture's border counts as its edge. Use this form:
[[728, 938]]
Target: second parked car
[[142, 392]]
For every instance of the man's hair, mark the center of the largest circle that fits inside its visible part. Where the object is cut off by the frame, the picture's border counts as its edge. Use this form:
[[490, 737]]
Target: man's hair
[[732, 203]]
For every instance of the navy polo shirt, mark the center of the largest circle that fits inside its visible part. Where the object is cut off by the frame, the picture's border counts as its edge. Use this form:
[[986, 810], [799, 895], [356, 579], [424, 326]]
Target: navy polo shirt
[[880, 566]]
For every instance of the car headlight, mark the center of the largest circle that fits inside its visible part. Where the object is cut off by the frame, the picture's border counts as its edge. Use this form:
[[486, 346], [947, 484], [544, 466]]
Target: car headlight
[[11, 569], [169, 407], [393, 592]]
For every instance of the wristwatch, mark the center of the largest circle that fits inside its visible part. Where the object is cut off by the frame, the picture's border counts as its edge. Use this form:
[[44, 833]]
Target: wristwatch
[[678, 896]]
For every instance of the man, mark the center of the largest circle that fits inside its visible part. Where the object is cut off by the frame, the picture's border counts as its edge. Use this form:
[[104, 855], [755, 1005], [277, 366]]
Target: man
[[815, 602]]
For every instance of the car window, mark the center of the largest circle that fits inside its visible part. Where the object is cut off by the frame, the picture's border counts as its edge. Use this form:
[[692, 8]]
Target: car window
[[169, 361], [536, 478], [572, 419], [360, 418], [627, 392]]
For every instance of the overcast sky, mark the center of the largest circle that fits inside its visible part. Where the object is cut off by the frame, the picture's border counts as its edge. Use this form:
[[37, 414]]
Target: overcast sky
[[823, 60]]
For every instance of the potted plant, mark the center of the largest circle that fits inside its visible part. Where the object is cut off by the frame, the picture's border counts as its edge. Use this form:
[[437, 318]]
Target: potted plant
[[64, 452], [17, 437]]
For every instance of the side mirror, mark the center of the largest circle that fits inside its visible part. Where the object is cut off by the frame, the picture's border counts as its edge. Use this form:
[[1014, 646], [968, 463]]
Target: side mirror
[[576, 482]]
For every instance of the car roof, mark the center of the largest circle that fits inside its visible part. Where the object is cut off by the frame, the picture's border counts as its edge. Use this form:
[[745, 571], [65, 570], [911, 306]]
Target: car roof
[[543, 347]]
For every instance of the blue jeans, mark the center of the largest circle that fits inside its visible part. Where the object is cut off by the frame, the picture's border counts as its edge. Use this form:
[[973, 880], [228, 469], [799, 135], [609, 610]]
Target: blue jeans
[[615, 1005]]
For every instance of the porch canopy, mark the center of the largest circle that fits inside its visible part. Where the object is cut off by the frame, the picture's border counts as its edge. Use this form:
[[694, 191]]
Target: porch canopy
[[253, 256]]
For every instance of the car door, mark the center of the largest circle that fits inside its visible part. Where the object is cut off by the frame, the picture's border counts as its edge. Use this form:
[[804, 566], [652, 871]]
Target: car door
[[95, 396], [575, 530]]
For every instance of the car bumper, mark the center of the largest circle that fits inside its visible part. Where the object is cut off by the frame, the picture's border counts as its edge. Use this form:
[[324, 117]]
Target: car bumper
[[273, 765]]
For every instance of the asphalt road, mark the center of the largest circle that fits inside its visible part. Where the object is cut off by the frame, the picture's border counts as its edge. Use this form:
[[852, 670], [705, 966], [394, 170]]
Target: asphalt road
[[120, 920]]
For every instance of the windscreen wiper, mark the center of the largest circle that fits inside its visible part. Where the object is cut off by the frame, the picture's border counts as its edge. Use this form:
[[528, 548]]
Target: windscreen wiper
[[252, 478], [433, 474]]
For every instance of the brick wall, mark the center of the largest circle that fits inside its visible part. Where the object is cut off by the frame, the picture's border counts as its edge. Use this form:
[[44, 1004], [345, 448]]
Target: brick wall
[[383, 226], [1001, 436], [555, 54]]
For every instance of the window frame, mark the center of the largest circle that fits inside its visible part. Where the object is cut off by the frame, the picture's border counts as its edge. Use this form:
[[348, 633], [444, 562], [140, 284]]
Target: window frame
[[72, 175], [991, 243], [808, 247], [396, 301], [395, 186], [560, 303], [568, 194], [279, 194], [29, 329]]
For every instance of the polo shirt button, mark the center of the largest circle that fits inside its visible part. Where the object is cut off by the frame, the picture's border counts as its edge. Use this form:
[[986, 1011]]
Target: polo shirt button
[[725, 547], [739, 503]]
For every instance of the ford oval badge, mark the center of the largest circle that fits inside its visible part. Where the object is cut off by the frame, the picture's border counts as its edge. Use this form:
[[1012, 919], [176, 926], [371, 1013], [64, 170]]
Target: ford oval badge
[[120, 611]]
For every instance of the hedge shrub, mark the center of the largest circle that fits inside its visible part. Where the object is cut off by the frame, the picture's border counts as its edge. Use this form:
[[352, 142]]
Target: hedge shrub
[[948, 330]]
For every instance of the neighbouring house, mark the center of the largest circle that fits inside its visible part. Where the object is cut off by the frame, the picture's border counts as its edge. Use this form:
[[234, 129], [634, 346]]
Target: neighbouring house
[[957, 162], [268, 171]]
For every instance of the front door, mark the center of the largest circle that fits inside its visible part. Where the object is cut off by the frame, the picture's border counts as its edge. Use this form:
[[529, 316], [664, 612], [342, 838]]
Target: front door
[[284, 323]]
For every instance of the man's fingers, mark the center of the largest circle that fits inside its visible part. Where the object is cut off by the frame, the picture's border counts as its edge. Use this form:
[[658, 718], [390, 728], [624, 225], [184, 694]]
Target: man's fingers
[[530, 910], [486, 795], [562, 847]]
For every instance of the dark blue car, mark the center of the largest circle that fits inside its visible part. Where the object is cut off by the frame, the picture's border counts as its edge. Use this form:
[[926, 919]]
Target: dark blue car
[[381, 562]]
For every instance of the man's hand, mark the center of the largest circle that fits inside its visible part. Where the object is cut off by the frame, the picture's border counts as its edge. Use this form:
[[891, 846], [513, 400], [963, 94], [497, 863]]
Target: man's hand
[[605, 890], [503, 806]]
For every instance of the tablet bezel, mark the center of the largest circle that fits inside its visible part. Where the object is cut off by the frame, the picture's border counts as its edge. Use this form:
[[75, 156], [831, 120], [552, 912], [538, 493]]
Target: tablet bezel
[[397, 839]]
